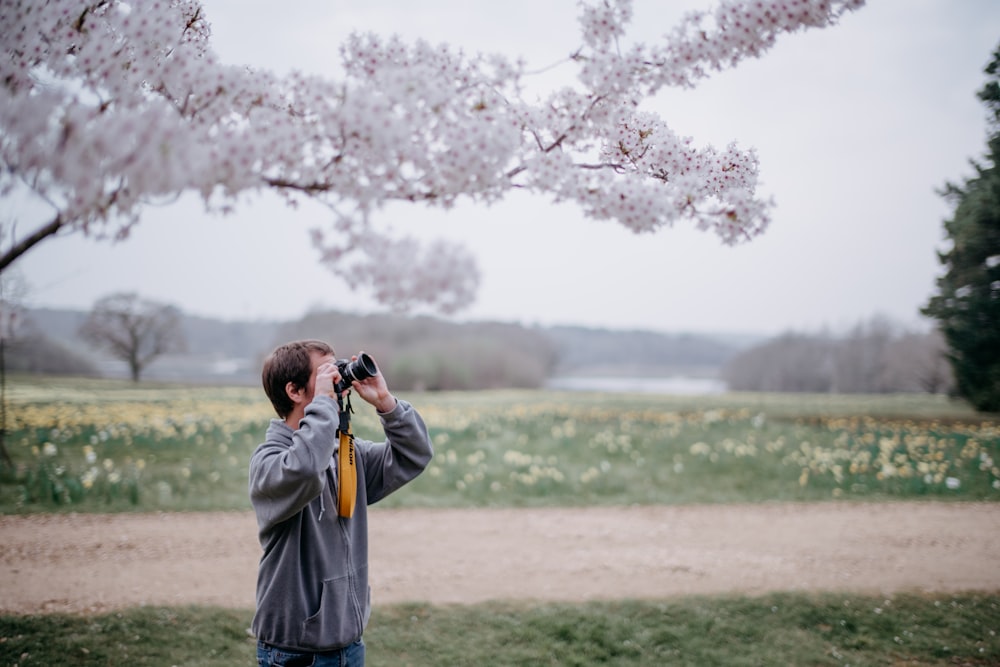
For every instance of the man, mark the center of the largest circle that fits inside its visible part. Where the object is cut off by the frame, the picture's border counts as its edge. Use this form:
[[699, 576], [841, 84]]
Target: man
[[313, 599]]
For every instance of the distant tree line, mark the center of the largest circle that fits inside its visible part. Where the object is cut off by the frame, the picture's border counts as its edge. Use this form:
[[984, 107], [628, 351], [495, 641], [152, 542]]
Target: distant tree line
[[415, 353], [874, 357], [25, 346], [33, 352], [425, 353], [596, 352]]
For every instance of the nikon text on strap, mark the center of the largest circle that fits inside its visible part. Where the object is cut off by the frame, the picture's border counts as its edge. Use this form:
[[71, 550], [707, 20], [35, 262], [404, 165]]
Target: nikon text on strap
[[347, 466]]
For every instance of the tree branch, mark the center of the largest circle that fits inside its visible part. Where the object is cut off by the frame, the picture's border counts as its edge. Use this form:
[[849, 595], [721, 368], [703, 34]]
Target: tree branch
[[26, 244]]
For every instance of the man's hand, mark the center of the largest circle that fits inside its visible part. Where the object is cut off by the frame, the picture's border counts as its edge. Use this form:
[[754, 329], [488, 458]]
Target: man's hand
[[327, 377], [375, 391]]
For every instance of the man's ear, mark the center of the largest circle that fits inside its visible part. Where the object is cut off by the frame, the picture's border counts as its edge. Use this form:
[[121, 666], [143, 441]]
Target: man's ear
[[295, 393]]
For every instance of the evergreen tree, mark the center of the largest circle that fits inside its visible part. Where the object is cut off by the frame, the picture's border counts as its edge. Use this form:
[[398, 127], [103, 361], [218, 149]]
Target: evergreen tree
[[967, 304]]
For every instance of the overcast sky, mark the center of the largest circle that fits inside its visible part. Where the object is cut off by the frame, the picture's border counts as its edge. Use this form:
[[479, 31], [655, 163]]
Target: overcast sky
[[856, 127]]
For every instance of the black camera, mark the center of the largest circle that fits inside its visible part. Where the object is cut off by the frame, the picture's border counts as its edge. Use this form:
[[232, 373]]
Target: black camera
[[361, 368]]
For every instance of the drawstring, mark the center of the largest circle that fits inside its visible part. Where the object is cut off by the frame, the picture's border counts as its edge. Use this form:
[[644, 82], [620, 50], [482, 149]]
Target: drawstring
[[329, 480]]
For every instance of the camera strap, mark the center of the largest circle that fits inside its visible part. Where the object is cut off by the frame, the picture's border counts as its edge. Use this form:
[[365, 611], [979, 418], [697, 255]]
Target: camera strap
[[347, 467]]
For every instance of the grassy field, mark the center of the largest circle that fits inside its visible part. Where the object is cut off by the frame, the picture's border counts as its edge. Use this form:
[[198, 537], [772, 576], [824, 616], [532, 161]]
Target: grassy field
[[776, 629], [106, 446], [82, 445]]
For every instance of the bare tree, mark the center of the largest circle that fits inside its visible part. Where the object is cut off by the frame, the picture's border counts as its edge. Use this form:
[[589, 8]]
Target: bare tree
[[876, 356], [860, 360], [791, 362], [134, 329], [918, 361]]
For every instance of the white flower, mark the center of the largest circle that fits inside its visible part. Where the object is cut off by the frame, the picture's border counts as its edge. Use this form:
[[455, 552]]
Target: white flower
[[96, 97]]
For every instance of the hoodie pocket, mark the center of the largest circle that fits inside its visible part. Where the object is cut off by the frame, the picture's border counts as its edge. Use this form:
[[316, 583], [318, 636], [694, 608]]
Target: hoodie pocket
[[338, 621]]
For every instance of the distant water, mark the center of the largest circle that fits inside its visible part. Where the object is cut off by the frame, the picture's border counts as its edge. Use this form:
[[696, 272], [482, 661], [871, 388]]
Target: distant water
[[642, 385]]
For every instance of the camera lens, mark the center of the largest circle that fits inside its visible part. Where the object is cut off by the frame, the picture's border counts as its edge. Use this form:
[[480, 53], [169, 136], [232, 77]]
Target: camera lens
[[360, 369]]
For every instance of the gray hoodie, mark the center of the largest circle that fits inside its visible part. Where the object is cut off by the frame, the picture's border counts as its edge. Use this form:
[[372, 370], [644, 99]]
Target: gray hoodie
[[312, 583]]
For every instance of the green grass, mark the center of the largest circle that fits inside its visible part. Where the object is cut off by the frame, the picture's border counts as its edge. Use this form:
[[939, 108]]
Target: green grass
[[776, 629], [187, 636], [111, 446]]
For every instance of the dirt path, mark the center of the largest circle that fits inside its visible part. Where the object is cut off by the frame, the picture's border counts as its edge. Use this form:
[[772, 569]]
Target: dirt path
[[84, 563]]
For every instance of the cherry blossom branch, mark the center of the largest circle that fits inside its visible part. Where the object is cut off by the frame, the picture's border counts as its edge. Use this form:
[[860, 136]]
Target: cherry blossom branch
[[30, 241], [105, 107]]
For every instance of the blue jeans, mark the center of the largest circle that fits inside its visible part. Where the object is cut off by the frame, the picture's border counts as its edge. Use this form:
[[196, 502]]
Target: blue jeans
[[349, 656]]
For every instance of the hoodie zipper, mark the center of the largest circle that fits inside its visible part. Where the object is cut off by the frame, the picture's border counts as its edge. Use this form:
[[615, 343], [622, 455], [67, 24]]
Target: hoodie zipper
[[351, 578], [345, 533]]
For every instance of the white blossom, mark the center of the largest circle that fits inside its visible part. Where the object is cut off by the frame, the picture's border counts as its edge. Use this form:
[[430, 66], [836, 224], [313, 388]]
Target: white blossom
[[108, 106]]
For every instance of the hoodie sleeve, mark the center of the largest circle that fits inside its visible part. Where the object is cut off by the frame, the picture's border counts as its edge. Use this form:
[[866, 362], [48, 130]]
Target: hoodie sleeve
[[289, 469], [405, 453]]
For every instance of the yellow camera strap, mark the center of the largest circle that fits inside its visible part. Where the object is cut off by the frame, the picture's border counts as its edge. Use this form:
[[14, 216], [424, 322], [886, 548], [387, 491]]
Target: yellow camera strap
[[347, 476], [347, 465]]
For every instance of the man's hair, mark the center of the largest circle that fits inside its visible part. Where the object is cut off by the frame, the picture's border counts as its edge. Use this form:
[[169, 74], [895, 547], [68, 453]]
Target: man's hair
[[291, 362]]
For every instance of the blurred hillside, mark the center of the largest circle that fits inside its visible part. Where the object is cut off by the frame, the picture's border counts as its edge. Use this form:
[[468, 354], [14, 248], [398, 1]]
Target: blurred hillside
[[413, 352]]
